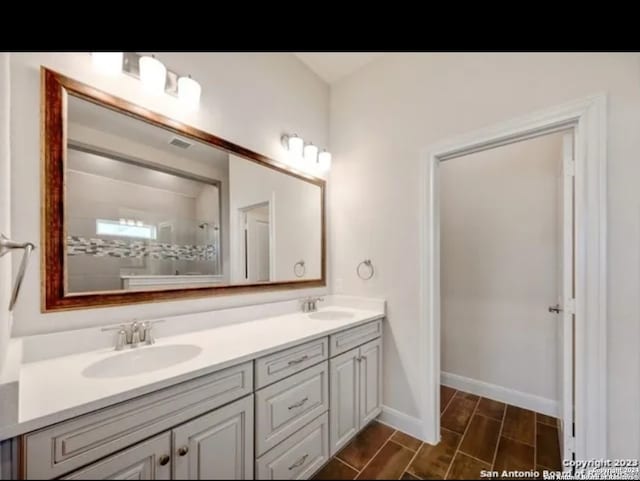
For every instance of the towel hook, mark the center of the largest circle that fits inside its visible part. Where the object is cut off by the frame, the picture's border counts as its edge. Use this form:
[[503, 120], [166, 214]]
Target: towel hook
[[299, 269], [367, 263]]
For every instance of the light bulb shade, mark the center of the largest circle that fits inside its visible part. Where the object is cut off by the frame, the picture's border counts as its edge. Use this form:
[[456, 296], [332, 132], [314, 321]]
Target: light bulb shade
[[310, 153], [153, 75], [295, 146], [189, 92], [108, 63], [324, 160]]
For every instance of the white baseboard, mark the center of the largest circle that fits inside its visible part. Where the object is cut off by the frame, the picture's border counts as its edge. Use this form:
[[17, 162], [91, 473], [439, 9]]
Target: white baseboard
[[499, 393], [401, 421]]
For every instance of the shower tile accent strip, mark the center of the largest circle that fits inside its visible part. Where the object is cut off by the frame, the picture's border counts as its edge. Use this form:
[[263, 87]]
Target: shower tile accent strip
[[79, 246]]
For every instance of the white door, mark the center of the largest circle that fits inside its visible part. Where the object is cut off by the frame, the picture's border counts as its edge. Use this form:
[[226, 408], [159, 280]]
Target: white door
[[261, 250], [370, 361], [344, 390], [218, 445], [150, 459], [257, 245], [566, 304], [5, 262]]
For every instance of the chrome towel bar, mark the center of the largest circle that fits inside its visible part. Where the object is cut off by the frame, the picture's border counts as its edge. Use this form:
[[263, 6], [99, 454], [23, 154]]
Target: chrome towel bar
[[6, 246]]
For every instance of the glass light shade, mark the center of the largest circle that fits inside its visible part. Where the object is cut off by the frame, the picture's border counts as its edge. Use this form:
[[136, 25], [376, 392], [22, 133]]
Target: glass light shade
[[153, 75], [295, 146], [324, 160], [108, 63], [310, 153], [189, 92]]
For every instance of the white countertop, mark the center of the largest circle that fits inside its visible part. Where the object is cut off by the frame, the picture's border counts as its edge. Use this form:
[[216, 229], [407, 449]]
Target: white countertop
[[53, 390]]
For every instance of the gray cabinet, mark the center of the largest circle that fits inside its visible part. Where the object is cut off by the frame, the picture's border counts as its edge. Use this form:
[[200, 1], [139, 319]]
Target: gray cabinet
[[300, 455], [356, 391], [308, 402], [218, 445], [370, 381], [59, 449], [150, 459], [286, 406]]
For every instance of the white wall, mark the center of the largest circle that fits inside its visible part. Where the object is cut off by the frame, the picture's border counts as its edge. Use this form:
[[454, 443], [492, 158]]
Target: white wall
[[382, 119], [249, 99], [296, 213], [499, 237], [5, 175]]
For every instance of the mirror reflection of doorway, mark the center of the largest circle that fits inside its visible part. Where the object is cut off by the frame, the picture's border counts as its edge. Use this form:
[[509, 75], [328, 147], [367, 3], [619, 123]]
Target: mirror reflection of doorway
[[256, 246]]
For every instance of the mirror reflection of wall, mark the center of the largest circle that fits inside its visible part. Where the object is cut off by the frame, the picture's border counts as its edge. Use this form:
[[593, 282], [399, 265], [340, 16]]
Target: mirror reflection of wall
[[295, 212], [147, 209], [143, 206]]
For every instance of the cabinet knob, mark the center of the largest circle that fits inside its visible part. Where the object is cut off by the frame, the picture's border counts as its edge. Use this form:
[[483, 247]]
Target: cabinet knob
[[164, 459], [183, 450]]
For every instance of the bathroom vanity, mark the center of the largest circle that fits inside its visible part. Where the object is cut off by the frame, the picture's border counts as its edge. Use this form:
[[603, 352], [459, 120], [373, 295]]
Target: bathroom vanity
[[138, 208], [271, 398]]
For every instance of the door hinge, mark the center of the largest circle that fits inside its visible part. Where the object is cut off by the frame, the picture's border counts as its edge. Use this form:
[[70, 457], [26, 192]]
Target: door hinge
[[570, 167], [570, 306]]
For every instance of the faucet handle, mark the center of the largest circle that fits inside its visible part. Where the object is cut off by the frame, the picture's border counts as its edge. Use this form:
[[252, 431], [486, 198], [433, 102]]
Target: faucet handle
[[121, 340], [114, 328], [147, 335]]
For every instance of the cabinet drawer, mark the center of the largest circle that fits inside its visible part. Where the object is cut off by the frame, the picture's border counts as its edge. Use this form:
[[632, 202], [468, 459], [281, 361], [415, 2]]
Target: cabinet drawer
[[274, 367], [299, 456], [142, 461], [286, 406], [66, 446], [345, 340]]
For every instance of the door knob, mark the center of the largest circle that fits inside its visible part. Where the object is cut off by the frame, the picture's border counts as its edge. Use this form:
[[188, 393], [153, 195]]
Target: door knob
[[164, 460], [555, 308], [183, 450]]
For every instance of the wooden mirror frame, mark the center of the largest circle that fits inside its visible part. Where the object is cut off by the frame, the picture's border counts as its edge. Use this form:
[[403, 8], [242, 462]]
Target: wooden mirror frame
[[54, 90]]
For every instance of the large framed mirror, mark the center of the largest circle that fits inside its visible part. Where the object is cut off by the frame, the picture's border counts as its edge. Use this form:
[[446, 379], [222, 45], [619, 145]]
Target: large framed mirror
[[138, 207]]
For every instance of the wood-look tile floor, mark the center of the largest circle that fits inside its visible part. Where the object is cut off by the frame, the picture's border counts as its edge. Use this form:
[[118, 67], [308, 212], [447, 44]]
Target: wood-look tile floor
[[477, 433]]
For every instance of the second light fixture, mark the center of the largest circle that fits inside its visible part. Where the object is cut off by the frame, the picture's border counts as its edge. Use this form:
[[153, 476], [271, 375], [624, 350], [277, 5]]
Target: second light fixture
[[309, 152]]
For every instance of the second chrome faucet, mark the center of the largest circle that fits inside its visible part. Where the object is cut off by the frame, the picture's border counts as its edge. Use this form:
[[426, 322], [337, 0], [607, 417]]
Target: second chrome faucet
[[309, 304], [134, 334]]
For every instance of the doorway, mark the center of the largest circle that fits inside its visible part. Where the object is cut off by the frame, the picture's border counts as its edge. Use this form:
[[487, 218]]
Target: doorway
[[255, 243], [586, 119], [503, 228]]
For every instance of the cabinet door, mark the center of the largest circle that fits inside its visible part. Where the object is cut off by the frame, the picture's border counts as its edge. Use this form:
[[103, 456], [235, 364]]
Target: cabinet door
[[370, 361], [146, 460], [218, 445], [345, 397]]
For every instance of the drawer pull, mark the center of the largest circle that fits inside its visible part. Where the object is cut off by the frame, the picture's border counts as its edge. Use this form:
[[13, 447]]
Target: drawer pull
[[298, 404], [299, 360], [299, 462], [183, 450], [164, 460]]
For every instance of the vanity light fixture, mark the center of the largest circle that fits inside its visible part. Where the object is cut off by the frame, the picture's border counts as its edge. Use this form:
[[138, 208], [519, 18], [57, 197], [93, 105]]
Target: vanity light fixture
[[153, 74], [298, 150], [311, 153], [155, 77], [189, 92], [293, 144], [324, 160], [108, 63]]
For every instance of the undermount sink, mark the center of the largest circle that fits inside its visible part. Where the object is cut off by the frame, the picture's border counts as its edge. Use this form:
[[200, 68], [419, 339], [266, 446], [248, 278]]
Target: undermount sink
[[142, 359], [331, 315]]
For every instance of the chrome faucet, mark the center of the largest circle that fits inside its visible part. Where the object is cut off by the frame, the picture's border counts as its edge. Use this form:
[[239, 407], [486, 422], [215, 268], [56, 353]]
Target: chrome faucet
[[309, 304], [134, 334]]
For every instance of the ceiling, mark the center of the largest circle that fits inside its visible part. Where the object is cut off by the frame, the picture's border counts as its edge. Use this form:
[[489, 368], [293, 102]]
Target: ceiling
[[332, 66], [108, 121]]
